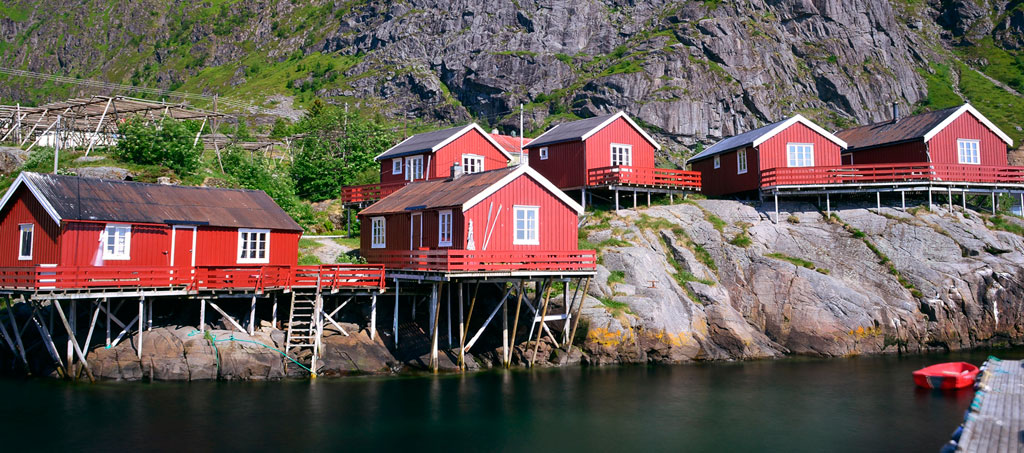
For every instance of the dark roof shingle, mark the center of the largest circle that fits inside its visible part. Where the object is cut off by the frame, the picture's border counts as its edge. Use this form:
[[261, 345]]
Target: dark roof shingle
[[79, 198], [889, 132], [420, 143], [438, 193], [735, 142], [568, 132]]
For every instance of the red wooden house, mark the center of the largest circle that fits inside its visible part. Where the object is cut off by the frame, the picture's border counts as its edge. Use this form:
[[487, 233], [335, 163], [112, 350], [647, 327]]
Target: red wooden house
[[603, 151], [512, 144], [54, 220], [958, 136], [736, 164], [512, 218]]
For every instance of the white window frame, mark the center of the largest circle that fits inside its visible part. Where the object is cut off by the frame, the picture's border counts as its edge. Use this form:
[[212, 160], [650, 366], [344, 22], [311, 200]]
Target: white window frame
[[718, 162], [964, 145], [396, 166], [378, 241], [411, 173], [543, 152], [24, 228], [116, 229], [477, 161], [741, 162], [625, 155], [795, 158], [444, 228], [245, 232], [526, 239]]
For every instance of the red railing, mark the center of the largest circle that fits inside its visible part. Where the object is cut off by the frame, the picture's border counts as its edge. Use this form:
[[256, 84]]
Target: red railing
[[257, 278], [483, 261], [866, 174], [369, 192], [644, 176]]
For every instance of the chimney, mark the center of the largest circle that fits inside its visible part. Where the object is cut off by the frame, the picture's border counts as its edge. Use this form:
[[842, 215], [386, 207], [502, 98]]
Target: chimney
[[895, 112], [456, 171]]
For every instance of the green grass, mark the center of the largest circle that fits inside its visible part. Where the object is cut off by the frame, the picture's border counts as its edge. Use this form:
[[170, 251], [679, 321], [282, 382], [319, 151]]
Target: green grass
[[308, 244], [617, 308], [799, 262], [683, 276], [940, 88], [613, 242], [742, 240], [352, 243], [999, 106], [882, 257], [1001, 223], [616, 277], [309, 260]]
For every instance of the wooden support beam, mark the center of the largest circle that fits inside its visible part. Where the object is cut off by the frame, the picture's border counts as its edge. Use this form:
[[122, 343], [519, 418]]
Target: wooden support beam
[[228, 317], [465, 332], [98, 126], [476, 337], [142, 317], [515, 323], [74, 342], [252, 316], [92, 327], [17, 333], [202, 315], [435, 313], [373, 316], [48, 342], [903, 200], [106, 316], [394, 326], [505, 356], [536, 346], [576, 317]]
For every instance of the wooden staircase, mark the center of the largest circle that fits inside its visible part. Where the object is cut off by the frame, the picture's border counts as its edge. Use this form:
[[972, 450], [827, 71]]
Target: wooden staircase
[[304, 327]]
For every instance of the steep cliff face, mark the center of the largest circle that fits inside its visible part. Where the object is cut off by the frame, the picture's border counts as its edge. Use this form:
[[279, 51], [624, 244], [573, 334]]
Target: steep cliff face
[[717, 280], [693, 71]]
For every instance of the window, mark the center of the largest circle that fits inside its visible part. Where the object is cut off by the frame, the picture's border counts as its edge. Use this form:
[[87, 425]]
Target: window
[[741, 162], [253, 246], [800, 154], [117, 242], [718, 161], [622, 155], [544, 153], [968, 152], [471, 163], [444, 228], [396, 166], [414, 168], [25, 241], [526, 225], [377, 240]]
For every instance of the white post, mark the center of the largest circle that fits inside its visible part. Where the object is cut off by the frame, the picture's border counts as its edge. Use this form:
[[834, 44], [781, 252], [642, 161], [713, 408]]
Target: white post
[[201, 126], [776, 208], [98, 126], [252, 316], [929, 199], [616, 200], [449, 310], [202, 315], [149, 315], [634, 198], [56, 145], [48, 129], [434, 312], [462, 328], [73, 331], [373, 316], [949, 195], [994, 206], [273, 312], [828, 205], [903, 200], [394, 326], [583, 198], [142, 318], [878, 201], [34, 126], [108, 321], [505, 355]]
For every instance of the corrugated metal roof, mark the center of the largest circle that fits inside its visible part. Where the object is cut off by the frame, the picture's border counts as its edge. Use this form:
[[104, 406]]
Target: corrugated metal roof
[[906, 129], [569, 132], [420, 143], [736, 142], [78, 198], [510, 143], [438, 193]]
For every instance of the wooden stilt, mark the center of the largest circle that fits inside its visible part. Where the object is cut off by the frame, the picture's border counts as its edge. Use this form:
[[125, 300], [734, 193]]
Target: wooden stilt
[[15, 332], [107, 318], [963, 199], [515, 323], [994, 206], [539, 287], [903, 200], [48, 341], [648, 198], [461, 323], [671, 198], [544, 312], [583, 198], [448, 316], [776, 208], [465, 332], [634, 198], [273, 311], [92, 327], [487, 322], [436, 314], [828, 205], [252, 316], [228, 317], [202, 315], [142, 317], [878, 201], [71, 335], [394, 326], [149, 315], [616, 200], [505, 356], [930, 199], [74, 342], [949, 197], [576, 317], [373, 316], [567, 305]]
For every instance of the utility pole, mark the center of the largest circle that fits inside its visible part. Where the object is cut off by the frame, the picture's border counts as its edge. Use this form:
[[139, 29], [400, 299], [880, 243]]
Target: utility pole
[[521, 162], [56, 145]]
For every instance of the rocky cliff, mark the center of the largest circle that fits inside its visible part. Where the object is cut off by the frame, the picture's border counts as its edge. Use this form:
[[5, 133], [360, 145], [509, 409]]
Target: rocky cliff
[[692, 71]]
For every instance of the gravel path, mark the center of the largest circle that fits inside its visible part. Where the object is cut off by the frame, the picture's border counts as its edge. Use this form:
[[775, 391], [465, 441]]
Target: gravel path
[[329, 250]]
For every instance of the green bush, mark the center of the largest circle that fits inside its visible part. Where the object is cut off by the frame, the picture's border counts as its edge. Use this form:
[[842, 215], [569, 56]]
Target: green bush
[[168, 143]]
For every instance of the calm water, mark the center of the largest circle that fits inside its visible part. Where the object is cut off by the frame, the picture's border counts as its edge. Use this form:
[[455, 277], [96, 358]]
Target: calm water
[[862, 404]]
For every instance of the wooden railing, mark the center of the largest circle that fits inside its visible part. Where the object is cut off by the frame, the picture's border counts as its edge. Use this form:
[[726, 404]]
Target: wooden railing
[[644, 176], [483, 261], [369, 192], [257, 278], [866, 174]]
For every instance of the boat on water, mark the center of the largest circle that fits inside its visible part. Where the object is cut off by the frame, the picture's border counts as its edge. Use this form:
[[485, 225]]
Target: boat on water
[[951, 375]]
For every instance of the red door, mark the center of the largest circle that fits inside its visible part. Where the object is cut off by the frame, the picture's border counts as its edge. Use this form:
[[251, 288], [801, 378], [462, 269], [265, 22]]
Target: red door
[[183, 245]]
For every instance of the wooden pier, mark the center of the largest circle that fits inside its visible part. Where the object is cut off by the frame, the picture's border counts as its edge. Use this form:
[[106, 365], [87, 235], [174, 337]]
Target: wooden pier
[[995, 420]]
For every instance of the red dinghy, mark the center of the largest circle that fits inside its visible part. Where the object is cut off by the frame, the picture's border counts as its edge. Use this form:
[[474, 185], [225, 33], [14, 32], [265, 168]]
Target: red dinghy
[[952, 375]]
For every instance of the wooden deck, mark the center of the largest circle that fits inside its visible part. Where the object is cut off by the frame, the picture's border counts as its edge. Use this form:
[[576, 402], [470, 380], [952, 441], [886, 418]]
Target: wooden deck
[[995, 421]]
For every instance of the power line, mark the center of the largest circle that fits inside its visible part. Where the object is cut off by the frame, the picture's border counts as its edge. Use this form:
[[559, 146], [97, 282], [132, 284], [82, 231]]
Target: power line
[[121, 87]]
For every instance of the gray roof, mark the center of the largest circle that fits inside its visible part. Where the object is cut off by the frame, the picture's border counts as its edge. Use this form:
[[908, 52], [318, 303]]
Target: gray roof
[[568, 132], [735, 142], [913, 127], [420, 143], [79, 198]]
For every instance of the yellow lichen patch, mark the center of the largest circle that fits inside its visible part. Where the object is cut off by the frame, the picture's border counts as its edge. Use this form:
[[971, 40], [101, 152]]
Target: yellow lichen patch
[[676, 340], [861, 333], [605, 337]]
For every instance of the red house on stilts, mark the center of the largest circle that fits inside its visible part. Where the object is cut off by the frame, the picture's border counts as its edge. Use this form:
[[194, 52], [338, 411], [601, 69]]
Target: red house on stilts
[[428, 156], [609, 152], [735, 164]]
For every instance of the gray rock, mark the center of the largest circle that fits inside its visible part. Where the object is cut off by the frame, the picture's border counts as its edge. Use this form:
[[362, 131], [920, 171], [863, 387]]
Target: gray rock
[[116, 173]]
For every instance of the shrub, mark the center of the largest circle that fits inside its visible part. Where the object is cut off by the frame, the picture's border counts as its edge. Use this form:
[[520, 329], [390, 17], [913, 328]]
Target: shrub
[[168, 143]]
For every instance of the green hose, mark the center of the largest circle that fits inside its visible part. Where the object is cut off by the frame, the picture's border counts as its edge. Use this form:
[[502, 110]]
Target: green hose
[[214, 340]]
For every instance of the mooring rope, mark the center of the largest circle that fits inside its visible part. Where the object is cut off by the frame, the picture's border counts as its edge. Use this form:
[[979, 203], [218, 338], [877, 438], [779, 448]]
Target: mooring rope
[[214, 340]]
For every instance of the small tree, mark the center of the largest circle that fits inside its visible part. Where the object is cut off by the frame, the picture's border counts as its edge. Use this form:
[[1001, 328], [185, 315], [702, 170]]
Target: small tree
[[168, 143]]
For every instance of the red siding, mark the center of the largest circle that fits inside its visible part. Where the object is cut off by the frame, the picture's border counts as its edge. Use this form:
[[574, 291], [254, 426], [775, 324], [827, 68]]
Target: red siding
[[397, 235], [557, 222], [80, 245], [219, 247], [24, 208], [564, 165], [725, 180], [773, 153], [439, 164], [943, 148], [893, 154]]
